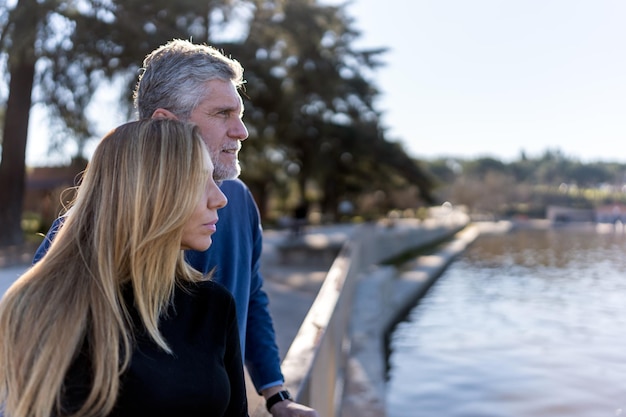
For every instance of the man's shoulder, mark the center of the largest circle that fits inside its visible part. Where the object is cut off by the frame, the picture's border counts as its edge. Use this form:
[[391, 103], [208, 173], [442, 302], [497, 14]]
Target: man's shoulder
[[234, 186], [241, 210], [236, 190]]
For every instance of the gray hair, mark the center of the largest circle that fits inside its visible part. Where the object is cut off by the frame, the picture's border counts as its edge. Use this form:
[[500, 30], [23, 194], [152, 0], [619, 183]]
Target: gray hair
[[174, 77]]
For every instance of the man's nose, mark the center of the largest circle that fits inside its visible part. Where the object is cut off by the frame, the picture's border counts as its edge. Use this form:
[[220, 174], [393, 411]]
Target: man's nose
[[239, 130]]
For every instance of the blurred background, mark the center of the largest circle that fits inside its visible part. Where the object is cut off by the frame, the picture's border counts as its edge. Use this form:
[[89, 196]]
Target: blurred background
[[356, 110]]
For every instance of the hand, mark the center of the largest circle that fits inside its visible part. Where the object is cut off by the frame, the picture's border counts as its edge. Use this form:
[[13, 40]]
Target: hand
[[291, 409]]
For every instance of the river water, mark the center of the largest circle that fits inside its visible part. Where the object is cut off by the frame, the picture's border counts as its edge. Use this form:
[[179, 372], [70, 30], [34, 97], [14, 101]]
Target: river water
[[532, 323]]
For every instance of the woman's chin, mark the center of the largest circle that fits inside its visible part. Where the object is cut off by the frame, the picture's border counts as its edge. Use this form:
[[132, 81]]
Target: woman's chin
[[203, 247], [198, 246]]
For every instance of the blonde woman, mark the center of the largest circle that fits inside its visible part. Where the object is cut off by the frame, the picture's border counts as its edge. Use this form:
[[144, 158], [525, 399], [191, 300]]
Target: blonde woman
[[112, 321]]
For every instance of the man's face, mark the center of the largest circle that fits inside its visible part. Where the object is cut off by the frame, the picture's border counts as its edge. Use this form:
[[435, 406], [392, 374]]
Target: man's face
[[219, 118]]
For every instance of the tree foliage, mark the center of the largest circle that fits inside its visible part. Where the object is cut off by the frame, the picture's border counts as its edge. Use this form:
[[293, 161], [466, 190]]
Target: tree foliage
[[60, 51], [315, 131], [311, 110], [527, 186]]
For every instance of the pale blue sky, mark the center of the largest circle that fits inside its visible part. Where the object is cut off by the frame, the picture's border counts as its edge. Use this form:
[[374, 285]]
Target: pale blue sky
[[494, 77]]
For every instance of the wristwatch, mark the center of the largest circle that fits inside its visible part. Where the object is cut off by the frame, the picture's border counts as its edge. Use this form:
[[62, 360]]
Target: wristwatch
[[278, 397]]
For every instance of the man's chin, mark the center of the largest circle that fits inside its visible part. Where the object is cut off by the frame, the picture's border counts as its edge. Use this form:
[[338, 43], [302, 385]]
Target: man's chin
[[226, 173]]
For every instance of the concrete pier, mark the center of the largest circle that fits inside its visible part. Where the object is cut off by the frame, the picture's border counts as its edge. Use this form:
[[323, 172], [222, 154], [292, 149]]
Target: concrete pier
[[335, 363], [382, 298]]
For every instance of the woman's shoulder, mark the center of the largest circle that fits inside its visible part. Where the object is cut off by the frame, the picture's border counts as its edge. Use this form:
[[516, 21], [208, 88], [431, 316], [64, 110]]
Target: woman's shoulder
[[212, 286], [208, 289]]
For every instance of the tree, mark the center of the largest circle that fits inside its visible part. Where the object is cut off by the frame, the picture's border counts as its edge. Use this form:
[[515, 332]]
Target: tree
[[311, 107], [309, 97], [63, 50], [21, 66]]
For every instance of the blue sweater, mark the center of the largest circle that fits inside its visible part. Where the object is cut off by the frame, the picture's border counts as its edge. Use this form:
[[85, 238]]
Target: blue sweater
[[235, 254]]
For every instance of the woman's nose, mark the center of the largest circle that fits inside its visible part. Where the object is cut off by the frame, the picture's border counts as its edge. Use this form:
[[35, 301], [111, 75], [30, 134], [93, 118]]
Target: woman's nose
[[218, 199]]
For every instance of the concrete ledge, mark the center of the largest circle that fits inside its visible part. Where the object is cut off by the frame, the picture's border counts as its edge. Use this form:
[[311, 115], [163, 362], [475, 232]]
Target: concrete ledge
[[418, 275], [365, 383], [318, 363], [382, 298]]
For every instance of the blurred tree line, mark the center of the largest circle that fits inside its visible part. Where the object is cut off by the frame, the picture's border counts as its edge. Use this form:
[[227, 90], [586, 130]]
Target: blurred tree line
[[315, 133], [493, 189]]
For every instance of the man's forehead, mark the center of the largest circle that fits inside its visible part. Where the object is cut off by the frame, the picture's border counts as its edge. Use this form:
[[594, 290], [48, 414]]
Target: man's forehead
[[222, 96], [218, 87]]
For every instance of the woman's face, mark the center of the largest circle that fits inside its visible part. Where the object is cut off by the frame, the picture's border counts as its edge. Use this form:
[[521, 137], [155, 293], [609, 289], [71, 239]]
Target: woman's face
[[202, 223]]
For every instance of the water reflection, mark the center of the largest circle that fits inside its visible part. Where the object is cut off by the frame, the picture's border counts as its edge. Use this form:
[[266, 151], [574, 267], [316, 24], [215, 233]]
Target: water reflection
[[528, 324]]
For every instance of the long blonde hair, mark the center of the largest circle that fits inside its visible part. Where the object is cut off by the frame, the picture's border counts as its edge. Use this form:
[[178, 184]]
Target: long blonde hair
[[124, 229]]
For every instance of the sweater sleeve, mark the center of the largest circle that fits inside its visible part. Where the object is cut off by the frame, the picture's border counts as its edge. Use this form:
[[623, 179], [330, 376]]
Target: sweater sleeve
[[47, 241], [261, 352]]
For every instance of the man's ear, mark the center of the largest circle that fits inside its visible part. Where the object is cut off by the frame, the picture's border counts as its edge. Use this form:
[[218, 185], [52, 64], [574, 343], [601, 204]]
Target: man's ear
[[163, 114]]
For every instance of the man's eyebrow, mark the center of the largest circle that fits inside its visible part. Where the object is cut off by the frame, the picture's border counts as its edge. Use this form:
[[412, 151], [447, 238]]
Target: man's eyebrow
[[219, 109]]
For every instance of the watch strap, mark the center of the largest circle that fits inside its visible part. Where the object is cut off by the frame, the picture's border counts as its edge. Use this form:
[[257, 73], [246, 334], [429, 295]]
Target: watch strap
[[278, 397]]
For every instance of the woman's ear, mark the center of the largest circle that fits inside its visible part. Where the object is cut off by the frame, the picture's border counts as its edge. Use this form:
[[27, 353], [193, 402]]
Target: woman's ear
[[161, 113]]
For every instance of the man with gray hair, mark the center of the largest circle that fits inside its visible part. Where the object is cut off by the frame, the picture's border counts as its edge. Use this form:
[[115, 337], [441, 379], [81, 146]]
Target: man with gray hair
[[197, 83]]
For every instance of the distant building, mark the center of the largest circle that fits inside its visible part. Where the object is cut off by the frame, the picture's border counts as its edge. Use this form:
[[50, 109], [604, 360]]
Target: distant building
[[610, 213], [45, 189], [560, 214]]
